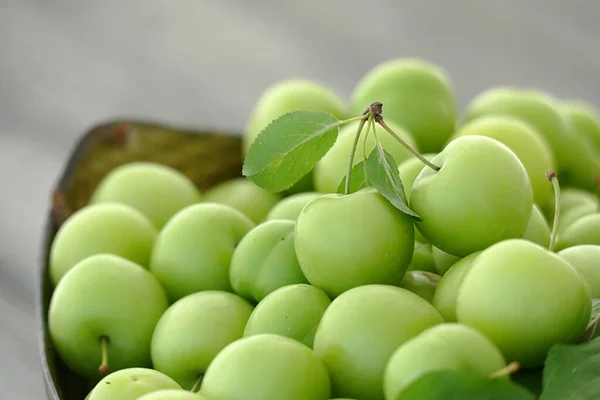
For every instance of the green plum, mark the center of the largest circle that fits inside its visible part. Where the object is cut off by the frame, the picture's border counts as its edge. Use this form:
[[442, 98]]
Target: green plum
[[410, 169], [290, 207], [344, 241], [105, 303], [131, 383], [101, 228], [444, 298], [266, 366], [265, 260], [481, 195], [293, 311], [538, 230], [333, 167], [290, 95], [576, 162], [194, 330], [421, 283], [537, 108], [586, 230], [362, 328], [448, 346], [442, 260], [585, 259], [415, 94], [573, 214], [583, 168], [525, 299], [193, 251], [526, 142], [584, 119], [172, 394], [571, 197], [156, 190], [245, 196], [422, 259]]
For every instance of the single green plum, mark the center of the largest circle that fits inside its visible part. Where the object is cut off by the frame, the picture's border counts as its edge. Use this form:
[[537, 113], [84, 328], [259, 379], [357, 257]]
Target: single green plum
[[586, 230], [568, 217], [172, 394], [535, 107], [265, 260], [156, 190], [245, 196], [410, 169], [194, 330], [293, 311], [101, 228], [585, 259], [105, 302], [362, 328], [290, 207], [448, 346], [583, 168], [525, 299], [422, 259], [442, 260], [421, 283], [131, 383], [538, 230], [576, 162], [266, 366], [584, 119], [344, 241], [416, 94], [444, 298], [333, 167], [481, 195], [571, 197], [530, 146], [194, 250], [290, 95]]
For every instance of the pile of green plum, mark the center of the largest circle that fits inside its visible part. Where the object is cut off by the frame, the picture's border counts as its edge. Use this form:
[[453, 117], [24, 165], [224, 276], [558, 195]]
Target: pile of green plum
[[487, 261]]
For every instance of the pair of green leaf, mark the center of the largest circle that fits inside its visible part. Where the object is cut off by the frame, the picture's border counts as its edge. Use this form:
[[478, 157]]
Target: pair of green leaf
[[290, 147]]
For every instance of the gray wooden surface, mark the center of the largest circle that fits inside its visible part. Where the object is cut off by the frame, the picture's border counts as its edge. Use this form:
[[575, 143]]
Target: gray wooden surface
[[65, 65]]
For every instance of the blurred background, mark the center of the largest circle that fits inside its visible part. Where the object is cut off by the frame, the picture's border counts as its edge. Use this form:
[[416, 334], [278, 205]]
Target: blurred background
[[67, 65]]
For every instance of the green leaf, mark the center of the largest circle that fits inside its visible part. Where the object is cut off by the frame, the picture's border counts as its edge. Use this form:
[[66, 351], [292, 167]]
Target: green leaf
[[572, 372], [288, 149], [357, 179], [458, 385], [382, 171], [529, 378]]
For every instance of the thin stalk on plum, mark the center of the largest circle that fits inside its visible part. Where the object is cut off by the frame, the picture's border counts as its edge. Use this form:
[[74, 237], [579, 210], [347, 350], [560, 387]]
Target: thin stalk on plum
[[406, 145], [197, 384], [551, 175], [508, 370], [369, 128], [353, 152], [104, 344], [347, 121]]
